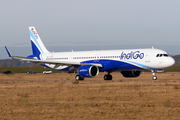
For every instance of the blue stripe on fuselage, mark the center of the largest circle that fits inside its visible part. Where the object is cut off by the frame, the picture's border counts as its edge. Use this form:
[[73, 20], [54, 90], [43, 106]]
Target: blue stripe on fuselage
[[113, 65], [144, 66]]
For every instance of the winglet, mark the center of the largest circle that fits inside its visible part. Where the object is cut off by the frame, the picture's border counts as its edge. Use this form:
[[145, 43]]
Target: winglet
[[8, 52]]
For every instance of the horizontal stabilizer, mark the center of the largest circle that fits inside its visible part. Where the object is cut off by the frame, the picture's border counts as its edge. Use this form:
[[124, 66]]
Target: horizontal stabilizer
[[8, 52]]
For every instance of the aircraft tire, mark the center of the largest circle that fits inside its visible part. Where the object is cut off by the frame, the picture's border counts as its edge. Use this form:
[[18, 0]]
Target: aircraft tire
[[154, 78], [77, 77], [81, 78], [107, 77], [110, 77]]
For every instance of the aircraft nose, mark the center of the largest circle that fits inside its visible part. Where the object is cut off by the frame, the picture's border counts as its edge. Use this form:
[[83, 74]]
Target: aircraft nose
[[171, 62]]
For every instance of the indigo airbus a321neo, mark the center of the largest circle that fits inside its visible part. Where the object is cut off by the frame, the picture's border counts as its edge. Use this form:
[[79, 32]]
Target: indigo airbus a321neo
[[130, 62]]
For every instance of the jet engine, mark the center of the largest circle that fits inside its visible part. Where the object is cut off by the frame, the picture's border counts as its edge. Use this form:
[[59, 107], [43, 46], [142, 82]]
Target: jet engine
[[88, 71]]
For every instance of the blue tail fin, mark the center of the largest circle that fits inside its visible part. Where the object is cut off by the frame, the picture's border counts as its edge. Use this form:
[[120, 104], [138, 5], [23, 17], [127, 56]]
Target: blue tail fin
[[36, 43]]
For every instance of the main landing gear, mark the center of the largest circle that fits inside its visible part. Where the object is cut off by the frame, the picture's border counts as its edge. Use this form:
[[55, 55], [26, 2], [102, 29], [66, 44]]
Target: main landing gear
[[78, 77], [108, 77], [154, 75]]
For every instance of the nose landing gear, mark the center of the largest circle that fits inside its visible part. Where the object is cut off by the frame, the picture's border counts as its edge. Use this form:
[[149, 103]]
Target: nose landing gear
[[154, 75]]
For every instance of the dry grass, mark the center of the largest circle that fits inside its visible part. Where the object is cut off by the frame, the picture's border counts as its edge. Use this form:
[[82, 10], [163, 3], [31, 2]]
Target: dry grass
[[57, 96]]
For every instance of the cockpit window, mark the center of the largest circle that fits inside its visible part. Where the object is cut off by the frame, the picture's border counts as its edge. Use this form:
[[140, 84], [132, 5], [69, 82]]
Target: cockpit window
[[166, 55], [161, 55]]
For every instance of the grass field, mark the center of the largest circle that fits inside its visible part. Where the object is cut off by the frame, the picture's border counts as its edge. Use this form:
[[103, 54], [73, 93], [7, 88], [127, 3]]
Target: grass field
[[59, 97]]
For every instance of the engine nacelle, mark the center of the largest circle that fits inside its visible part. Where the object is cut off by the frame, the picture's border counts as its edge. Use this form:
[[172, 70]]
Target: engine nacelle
[[88, 71], [130, 73]]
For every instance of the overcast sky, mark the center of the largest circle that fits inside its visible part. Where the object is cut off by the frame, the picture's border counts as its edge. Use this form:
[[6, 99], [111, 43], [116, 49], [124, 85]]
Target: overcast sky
[[89, 25]]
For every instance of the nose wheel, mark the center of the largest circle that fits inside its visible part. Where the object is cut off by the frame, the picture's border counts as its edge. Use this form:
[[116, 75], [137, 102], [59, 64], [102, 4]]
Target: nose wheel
[[154, 75]]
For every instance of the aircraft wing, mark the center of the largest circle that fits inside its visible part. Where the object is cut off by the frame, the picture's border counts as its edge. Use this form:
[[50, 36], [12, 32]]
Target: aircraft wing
[[67, 63], [56, 63]]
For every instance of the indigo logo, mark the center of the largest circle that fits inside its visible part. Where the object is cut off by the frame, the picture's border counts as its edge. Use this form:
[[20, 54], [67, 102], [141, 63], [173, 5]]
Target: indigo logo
[[35, 34], [132, 55]]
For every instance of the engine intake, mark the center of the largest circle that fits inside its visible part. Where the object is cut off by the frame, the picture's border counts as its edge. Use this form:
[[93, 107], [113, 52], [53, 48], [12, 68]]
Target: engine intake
[[130, 73], [88, 71]]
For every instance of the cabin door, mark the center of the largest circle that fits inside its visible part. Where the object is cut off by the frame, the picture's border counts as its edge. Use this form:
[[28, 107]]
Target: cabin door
[[71, 58], [148, 56]]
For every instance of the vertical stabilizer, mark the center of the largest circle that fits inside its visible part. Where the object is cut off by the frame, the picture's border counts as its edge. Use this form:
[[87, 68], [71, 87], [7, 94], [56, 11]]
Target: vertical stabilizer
[[36, 42]]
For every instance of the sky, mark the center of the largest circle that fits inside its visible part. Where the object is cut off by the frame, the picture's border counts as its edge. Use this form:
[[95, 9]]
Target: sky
[[64, 25]]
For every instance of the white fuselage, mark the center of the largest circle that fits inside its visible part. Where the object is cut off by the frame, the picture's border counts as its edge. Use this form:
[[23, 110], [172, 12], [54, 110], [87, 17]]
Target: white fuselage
[[136, 59]]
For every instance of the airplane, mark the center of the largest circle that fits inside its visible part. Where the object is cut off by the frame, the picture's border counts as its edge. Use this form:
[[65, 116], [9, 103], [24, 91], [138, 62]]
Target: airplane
[[129, 62]]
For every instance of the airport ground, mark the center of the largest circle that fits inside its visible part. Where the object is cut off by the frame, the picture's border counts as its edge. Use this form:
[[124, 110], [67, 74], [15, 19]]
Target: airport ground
[[59, 97]]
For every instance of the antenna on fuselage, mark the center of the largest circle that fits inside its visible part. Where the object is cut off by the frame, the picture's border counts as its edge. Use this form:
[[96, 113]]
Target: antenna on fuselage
[[152, 47]]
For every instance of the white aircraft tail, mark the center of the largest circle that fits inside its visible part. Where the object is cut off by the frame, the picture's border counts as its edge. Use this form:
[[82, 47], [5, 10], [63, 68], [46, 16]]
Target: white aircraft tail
[[36, 42]]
